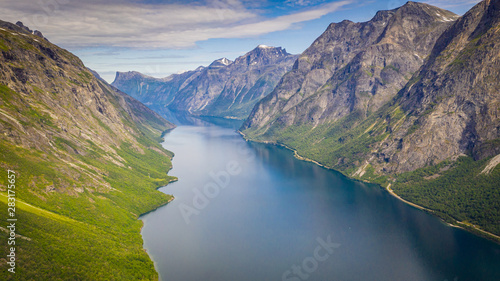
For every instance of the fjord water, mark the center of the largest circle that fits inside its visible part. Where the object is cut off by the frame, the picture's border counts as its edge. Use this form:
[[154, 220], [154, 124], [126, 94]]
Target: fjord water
[[249, 211]]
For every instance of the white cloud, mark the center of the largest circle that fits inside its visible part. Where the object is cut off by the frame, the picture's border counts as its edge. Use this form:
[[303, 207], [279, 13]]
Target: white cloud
[[304, 3], [445, 4], [131, 24]]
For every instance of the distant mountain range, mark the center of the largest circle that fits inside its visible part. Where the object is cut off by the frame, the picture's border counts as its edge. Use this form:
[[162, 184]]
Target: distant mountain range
[[225, 88], [409, 100]]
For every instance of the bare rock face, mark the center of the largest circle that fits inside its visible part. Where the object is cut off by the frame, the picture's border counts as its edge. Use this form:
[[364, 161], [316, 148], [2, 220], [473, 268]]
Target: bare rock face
[[225, 88], [156, 93], [36, 32], [453, 104], [411, 88], [87, 158], [352, 67], [51, 103]]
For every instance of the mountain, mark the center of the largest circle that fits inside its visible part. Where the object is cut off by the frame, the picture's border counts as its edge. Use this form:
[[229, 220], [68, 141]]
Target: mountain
[[155, 93], [225, 88], [451, 102], [352, 68], [86, 163], [408, 100]]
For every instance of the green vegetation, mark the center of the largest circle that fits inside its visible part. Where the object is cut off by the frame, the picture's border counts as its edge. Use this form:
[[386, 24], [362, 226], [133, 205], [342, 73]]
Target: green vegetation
[[93, 233], [85, 76], [368, 73], [64, 249], [341, 144], [462, 60], [77, 200], [390, 66], [456, 191], [3, 46]]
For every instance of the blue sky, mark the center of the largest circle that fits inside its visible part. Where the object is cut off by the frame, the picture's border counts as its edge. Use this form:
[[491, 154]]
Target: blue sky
[[159, 38]]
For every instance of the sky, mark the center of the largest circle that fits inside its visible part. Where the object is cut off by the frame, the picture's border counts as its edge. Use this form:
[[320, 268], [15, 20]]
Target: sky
[[162, 37]]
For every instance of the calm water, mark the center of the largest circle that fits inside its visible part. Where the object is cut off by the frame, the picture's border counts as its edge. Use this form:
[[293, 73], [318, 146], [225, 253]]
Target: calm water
[[246, 211]]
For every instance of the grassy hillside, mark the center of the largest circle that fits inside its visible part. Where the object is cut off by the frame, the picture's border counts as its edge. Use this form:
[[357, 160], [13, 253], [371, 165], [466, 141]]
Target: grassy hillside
[[85, 161]]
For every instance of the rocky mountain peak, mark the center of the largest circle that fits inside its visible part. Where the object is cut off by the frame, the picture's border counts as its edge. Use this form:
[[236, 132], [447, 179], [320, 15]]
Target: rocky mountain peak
[[456, 89], [263, 55], [490, 16], [224, 88], [352, 69], [21, 25], [414, 11], [425, 10], [25, 28], [128, 75], [222, 62], [269, 50]]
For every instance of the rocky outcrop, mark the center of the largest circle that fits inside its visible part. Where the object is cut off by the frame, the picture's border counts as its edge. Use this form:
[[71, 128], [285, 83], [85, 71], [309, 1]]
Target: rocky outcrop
[[225, 88], [431, 132], [352, 67], [51, 103], [36, 32], [86, 161], [453, 104], [341, 98], [156, 93]]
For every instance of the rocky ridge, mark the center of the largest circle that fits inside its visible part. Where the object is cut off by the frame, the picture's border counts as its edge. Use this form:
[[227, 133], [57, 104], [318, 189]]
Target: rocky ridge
[[225, 88], [452, 104], [86, 159], [434, 139], [352, 68]]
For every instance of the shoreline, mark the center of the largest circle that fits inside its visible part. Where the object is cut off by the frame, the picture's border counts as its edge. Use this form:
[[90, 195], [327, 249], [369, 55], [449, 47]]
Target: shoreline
[[469, 228], [142, 226], [170, 180], [391, 192]]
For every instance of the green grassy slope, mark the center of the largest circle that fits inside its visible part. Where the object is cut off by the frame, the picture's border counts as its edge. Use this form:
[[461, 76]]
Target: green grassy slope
[[87, 164]]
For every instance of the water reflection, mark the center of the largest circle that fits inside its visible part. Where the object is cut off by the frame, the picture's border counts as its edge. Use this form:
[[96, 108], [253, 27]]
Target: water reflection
[[270, 216]]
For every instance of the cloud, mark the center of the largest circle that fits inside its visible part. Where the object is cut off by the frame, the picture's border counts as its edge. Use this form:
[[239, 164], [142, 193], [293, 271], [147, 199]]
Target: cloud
[[132, 24], [295, 3], [445, 4]]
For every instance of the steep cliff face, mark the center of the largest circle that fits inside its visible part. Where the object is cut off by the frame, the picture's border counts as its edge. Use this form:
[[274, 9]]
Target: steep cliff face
[[225, 88], [436, 142], [453, 101], [352, 67], [51, 90], [86, 156], [156, 93]]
